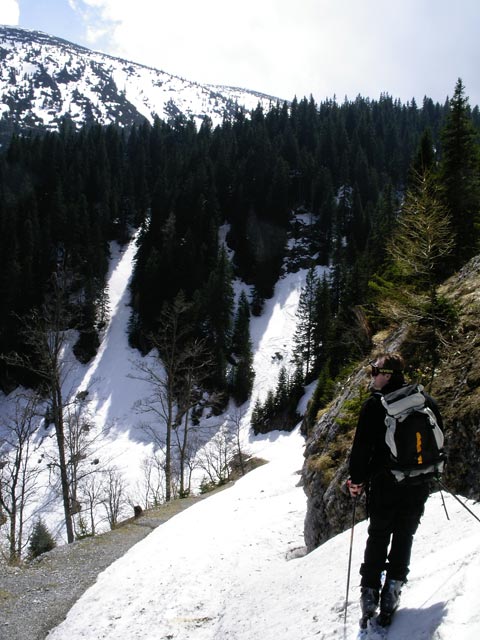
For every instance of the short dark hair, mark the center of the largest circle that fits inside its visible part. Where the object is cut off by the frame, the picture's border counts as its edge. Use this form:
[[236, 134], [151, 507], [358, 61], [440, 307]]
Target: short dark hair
[[392, 361]]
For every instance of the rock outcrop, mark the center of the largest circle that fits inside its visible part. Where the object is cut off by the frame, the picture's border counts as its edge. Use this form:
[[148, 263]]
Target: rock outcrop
[[456, 387]]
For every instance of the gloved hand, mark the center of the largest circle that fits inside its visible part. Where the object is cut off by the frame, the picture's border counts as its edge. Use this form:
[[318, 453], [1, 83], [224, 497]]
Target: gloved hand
[[354, 489]]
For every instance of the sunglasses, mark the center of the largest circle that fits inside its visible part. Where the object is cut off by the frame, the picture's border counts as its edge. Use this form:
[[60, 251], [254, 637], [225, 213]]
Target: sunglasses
[[377, 370]]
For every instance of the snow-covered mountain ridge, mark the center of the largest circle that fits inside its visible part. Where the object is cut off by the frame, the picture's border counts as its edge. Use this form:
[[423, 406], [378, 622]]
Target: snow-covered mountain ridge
[[44, 78]]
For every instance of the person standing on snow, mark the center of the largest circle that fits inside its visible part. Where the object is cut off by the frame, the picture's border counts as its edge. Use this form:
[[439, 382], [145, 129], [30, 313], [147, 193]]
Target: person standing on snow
[[394, 509]]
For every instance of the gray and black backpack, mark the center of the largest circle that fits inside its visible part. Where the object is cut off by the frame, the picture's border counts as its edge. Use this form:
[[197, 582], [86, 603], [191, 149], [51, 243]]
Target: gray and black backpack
[[413, 436]]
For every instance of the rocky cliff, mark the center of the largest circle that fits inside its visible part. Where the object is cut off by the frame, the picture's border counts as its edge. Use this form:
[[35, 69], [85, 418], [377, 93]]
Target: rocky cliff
[[456, 388]]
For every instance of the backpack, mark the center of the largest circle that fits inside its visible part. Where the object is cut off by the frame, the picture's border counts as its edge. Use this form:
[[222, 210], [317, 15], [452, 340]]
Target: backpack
[[413, 436]]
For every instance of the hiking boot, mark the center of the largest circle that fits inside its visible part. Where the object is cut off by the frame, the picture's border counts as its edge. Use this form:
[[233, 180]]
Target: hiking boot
[[368, 602], [390, 598]]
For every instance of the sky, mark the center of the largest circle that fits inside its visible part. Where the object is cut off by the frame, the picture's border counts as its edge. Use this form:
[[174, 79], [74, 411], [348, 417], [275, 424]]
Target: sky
[[324, 48]]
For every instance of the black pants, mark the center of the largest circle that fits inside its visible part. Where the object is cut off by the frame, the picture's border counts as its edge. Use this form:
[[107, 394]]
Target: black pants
[[395, 513]]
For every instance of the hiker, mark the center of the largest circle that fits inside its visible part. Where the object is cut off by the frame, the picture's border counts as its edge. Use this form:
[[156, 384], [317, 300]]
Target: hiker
[[394, 508]]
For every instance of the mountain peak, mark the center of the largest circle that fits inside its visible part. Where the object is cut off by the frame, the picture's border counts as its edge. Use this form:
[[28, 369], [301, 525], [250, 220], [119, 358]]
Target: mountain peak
[[44, 79]]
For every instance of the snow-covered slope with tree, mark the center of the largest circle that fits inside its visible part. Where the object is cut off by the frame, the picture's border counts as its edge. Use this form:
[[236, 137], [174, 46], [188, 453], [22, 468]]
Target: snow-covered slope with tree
[[44, 79], [112, 388], [232, 567]]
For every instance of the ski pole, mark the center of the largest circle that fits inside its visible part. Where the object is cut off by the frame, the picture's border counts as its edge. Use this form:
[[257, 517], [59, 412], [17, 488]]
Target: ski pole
[[458, 499], [444, 505], [350, 560]]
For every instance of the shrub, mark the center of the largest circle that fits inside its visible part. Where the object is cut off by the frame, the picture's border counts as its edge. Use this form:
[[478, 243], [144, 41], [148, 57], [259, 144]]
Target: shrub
[[41, 540]]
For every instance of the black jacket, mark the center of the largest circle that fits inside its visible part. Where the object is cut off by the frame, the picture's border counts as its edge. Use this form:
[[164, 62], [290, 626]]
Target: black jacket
[[370, 454]]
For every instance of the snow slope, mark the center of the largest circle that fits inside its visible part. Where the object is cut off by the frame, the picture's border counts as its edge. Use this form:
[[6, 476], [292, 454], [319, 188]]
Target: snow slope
[[232, 566], [114, 387], [229, 567]]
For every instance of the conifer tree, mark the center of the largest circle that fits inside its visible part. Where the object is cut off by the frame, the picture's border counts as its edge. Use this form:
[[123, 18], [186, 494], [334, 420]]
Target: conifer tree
[[304, 352], [41, 539], [324, 391], [424, 160], [418, 249], [243, 377], [460, 176], [282, 391], [243, 373], [257, 413], [324, 319], [216, 308]]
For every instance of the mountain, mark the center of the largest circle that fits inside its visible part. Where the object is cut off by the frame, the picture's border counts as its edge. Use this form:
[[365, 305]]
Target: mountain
[[44, 79]]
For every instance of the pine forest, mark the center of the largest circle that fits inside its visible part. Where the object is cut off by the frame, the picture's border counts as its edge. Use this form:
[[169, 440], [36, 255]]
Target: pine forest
[[217, 204]]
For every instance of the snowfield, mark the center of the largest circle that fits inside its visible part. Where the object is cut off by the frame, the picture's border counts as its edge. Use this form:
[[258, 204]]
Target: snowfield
[[232, 567]]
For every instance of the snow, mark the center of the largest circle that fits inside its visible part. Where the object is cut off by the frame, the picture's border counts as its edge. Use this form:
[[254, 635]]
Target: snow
[[271, 333], [114, 387], [149, 90], [233, 566], [114, 393], [228, 567]]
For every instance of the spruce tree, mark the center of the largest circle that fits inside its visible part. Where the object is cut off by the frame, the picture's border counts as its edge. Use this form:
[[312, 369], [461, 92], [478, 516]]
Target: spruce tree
[[460, 176], [420, 245], [41, 539], [323, 328], [304, 352], [243, 373], [243, 377], [424, 159], [282, 391], [216, 308]]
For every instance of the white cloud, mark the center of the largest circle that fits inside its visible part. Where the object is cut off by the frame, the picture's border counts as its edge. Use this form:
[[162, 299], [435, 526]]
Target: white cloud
[[9, 12], [323, 47]]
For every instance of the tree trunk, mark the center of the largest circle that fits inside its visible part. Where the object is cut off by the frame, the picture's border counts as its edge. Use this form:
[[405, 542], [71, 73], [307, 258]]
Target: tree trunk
[[168, 462], [60, 434]]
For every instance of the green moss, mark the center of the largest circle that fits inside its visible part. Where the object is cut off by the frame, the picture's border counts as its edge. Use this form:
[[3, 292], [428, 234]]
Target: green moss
[[348, 417]]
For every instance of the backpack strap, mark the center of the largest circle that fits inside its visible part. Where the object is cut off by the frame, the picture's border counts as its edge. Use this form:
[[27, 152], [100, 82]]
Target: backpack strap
[[391, 424], [403, 401], [437, 432]]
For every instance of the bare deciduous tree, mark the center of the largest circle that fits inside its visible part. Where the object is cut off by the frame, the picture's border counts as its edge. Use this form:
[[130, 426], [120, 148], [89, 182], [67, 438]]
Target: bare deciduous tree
[[114, 496], [223, 456], [81, 459], [80, 437], [234, 426], [91, 489], [215, 457], [18, 472], [151, 488], [45, 334], [196, 366], [174, 374]]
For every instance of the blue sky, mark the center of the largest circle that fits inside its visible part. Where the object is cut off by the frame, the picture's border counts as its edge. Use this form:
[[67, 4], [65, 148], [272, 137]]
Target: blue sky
[[408, 48]]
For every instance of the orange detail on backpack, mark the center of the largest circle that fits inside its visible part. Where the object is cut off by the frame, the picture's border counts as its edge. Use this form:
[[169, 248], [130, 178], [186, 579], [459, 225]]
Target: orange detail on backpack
[[419, 448]]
